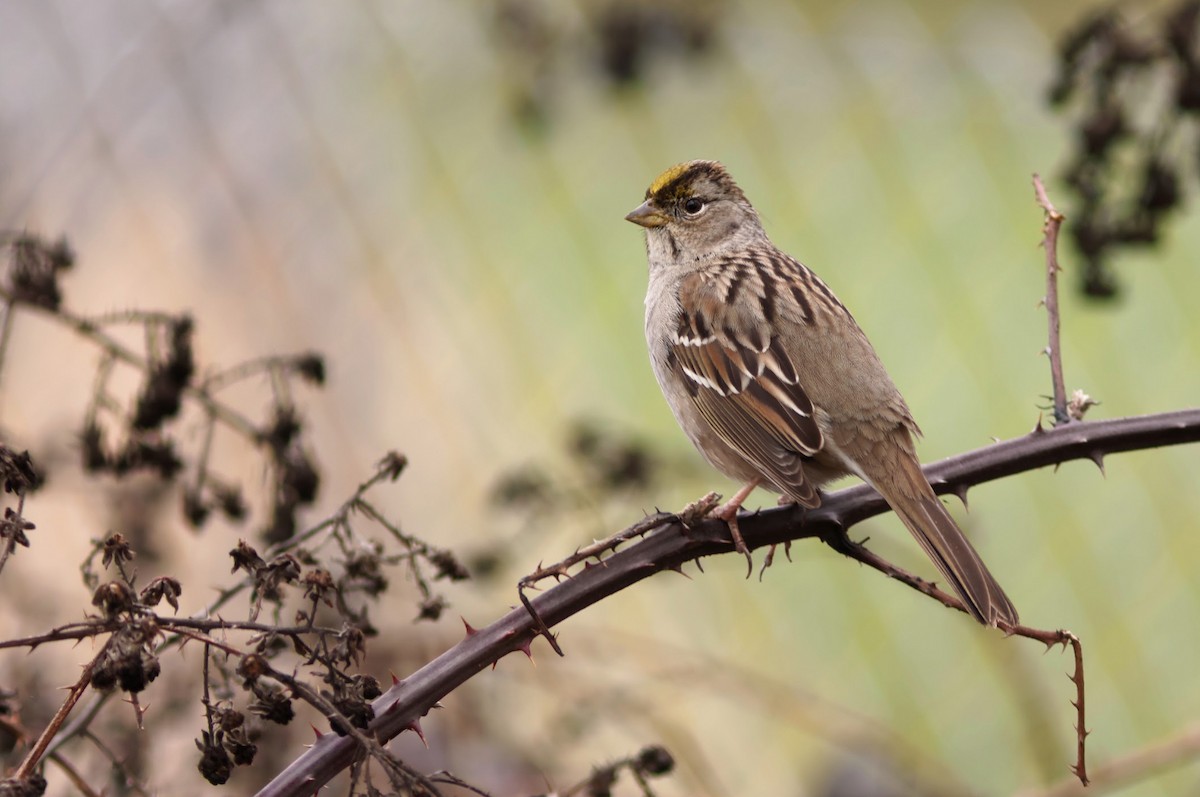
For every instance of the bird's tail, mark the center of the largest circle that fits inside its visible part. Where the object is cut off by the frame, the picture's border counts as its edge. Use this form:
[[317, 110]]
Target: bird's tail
[[955, 557], [903, 485]]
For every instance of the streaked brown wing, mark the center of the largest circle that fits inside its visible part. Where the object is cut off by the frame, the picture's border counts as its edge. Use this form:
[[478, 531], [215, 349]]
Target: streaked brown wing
[[753, 400]]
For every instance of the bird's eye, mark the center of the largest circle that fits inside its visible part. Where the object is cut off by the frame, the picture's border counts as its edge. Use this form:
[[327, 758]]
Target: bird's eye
[[693, 205]]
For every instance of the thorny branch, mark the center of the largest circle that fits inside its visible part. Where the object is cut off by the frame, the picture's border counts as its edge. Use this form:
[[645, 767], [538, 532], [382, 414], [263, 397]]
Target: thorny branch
[[35, 754], [669, 544], [841, 542]]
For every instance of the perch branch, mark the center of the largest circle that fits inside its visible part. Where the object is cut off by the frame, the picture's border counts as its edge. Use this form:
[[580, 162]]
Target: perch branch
[[672, 544]]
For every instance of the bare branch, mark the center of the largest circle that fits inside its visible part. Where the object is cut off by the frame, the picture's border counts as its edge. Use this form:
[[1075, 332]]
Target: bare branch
[[1054, 221], [34, 756]]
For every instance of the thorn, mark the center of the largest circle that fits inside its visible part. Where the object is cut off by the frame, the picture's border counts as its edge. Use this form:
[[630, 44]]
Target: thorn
[[1039, 429], [471, 631], [1098, 458], [526, 647], [960, 492], [139, 712], [395, 681], [679, 569], [415, 727], [699, 566], [317, 732]]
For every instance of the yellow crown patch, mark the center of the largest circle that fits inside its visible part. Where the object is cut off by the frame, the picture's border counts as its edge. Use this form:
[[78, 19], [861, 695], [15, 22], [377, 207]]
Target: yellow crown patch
[[669, 176], [682, 177]]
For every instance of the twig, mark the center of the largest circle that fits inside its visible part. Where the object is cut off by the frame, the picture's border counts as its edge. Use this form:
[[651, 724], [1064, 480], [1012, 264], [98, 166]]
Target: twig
[[60, 716], [1054, 221], [1160, 756], [562, 569], [5, 330], [442, 776], [1081, 731], [114, 348], [81, 630], [675, 544], [223, 379], [9, 543], [840, 542], [1065, 638], [73, 775]]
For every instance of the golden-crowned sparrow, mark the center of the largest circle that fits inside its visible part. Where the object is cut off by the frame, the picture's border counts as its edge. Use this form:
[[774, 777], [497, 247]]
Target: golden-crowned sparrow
[[771, 377]]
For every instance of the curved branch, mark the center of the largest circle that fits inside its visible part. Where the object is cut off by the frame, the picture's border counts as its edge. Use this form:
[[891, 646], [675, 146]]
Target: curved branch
[[672, 544]]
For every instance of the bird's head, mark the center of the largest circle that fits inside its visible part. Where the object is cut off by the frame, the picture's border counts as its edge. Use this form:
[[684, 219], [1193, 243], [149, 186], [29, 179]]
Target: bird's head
[[694, 210]]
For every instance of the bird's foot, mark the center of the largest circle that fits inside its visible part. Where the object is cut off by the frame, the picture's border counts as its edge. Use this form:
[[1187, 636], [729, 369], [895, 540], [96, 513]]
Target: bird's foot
[[728, 512]]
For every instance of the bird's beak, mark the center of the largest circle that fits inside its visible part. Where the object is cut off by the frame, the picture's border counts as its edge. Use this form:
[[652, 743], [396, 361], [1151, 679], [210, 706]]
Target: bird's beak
[[647, 215]]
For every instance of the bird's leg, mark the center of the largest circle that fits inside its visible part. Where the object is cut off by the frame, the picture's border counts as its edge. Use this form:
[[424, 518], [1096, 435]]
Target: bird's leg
[[728, 512]]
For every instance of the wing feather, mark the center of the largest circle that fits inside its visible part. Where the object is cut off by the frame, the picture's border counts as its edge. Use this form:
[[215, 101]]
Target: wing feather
[[744, 384]]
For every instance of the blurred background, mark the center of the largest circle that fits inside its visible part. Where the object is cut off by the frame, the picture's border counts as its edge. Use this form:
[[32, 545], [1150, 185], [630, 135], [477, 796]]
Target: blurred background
[[431, 194]]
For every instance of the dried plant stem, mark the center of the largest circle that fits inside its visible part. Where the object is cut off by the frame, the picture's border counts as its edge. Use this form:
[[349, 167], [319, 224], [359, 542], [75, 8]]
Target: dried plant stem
[[39, 748], [10, 543], [115, 349], [73, 775], [6, 324]]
